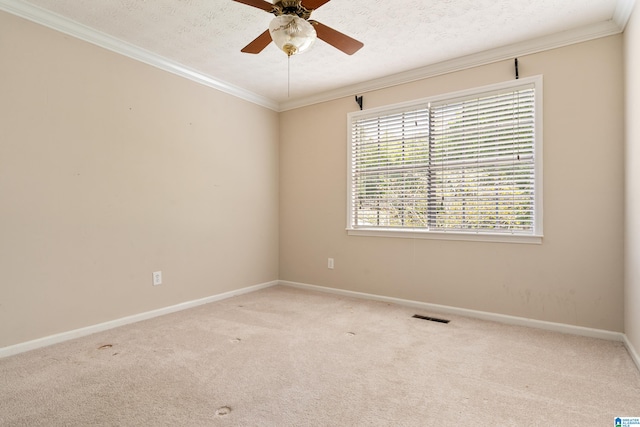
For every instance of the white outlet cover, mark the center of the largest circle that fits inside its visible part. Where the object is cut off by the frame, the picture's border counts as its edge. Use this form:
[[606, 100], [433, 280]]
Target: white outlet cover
[[157, 278]]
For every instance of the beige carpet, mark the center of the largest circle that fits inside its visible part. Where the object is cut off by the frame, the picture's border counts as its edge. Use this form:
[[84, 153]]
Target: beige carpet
[[288, 357]]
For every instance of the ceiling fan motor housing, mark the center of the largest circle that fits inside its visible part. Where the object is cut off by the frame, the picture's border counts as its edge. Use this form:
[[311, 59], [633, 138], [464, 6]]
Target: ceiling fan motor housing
[[291, 7]]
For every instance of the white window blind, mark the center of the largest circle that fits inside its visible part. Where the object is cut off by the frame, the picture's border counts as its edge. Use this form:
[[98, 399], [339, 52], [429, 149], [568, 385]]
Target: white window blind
[[465, 164], [390, 164]]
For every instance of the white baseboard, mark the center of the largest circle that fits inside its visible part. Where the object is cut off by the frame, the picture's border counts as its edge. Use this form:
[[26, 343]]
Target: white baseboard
[[511, 320], [632, 351], [483, 315], [77, 333]]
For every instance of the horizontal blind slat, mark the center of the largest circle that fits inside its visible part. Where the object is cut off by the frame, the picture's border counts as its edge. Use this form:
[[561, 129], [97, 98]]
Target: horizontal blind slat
[[460, 165]]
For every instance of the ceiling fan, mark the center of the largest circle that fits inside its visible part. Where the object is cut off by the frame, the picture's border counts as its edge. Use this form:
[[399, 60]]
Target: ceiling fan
[[292, 30]]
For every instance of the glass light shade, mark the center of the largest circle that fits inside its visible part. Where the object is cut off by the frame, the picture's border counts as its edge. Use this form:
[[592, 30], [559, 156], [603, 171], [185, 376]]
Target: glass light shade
[[292, 34]]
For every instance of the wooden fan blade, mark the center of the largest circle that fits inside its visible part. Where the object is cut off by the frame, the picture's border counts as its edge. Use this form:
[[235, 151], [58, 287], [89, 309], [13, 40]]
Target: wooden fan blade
[[313, 4], [260, 4], [337, 39], [258, 44]]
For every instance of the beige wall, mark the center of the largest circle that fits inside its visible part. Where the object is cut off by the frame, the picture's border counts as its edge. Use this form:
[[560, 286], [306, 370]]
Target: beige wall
[[111, 169], [574, 277], [632, 156]]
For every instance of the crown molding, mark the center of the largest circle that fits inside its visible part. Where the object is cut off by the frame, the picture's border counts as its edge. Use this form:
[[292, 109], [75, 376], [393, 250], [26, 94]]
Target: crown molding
[[616, 25], [67, 26], [565, 38], [622, 13]]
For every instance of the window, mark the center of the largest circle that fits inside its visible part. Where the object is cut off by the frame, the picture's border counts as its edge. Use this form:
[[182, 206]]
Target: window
[[461, 166]]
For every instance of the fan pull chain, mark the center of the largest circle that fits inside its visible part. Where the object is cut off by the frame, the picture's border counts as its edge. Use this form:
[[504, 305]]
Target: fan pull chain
[[288, 76]]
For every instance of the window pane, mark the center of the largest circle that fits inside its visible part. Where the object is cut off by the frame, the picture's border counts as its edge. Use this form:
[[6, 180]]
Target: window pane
[[483, 164], [390, 159], [464, 165]]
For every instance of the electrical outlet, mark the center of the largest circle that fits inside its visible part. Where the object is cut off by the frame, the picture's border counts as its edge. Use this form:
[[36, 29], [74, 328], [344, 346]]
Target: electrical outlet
[[157, 278], [330, 263]]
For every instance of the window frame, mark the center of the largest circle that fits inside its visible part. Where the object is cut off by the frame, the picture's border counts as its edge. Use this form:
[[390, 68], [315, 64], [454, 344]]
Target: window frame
[[486, 236]]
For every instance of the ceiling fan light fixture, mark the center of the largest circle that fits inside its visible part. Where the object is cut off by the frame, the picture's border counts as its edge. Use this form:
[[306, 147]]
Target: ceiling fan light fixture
[[292, 34]]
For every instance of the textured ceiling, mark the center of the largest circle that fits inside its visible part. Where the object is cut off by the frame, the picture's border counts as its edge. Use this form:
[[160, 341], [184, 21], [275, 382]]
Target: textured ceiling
[[399, 35]]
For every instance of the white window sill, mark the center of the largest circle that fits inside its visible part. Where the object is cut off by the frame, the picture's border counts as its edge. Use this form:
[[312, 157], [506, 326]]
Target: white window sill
[[446, 235]]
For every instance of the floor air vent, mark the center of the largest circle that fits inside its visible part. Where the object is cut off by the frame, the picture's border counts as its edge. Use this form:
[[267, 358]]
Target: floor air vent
[[432, 319]]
